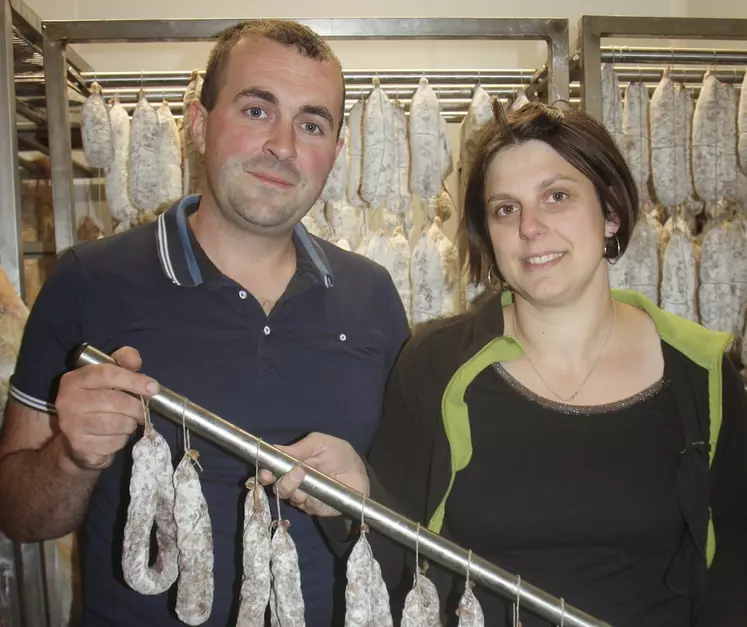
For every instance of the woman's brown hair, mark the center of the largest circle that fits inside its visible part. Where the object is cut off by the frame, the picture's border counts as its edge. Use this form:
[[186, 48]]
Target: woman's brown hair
[[577, 137]]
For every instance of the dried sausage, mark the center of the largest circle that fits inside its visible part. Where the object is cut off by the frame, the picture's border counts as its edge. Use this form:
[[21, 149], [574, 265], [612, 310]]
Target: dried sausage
[[194, 535]]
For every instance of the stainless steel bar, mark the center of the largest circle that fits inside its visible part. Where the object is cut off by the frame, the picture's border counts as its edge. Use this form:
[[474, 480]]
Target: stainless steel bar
[[60, 147], [590, 61], [33, 115], [100, 31], [180, 78], [56, 596], [725, 29], [675, 56], [30, 564], [11, 233], [204, 423], [557, 64], [10, 602]]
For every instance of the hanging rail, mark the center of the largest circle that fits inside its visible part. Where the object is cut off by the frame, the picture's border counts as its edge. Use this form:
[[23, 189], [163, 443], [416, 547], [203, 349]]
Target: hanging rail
[[680, 56], [246, 447]]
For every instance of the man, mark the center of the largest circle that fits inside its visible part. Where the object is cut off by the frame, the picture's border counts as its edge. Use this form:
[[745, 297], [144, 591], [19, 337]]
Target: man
[[227, 300]]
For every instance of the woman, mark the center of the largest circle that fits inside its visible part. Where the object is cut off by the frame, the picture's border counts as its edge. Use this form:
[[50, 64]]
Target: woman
[[562, 431]]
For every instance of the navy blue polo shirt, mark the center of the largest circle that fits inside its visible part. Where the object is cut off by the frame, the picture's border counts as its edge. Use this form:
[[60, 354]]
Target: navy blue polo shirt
[[318, 362]]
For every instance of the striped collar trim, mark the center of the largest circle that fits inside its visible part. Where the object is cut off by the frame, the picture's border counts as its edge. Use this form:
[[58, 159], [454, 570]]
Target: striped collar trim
[[177, 255]]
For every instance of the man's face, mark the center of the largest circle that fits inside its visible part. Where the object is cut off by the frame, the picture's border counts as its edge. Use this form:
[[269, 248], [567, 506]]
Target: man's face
[[271, 139]]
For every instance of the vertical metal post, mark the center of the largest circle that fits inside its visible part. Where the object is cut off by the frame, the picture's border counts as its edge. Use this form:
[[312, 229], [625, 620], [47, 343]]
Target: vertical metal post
[[57, 600], [60, 145], [11, 231], [10, 604], [590, 58], [558, 78], [31, 576]]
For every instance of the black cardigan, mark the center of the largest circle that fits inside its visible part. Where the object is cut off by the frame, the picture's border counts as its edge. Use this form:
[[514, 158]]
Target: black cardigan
[[409, 467]]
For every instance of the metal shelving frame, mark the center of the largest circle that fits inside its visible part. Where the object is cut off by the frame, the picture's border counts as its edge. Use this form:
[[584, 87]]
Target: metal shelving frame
[[28, 575], [59, 34], [593, 28]]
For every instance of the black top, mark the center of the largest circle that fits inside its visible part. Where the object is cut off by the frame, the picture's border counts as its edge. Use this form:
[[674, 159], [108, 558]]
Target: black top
[[318, 362], [410, 468], [581, 502]]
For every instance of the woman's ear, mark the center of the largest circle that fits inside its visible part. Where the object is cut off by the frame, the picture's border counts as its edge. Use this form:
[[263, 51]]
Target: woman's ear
[[611, 224]]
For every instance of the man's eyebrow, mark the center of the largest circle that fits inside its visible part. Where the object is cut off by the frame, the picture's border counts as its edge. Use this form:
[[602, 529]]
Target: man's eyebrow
[[268, 96], [319, 111], [255, 92]]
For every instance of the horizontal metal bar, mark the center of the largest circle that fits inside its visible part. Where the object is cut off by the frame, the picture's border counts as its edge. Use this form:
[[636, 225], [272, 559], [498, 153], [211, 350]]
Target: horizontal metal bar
[[101, 31], [352, 77], [678, 56], [36, 248], [29, 142], [36, 116], [246, 447], [665, 27]]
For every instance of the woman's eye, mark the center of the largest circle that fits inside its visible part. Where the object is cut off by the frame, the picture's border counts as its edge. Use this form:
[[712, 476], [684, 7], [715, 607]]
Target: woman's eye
[[558, 196], [505, 210]]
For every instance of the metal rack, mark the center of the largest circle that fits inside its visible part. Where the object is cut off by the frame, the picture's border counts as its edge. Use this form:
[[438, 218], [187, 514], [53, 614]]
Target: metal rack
[[58, 35], [454, 87], [593, 28], [23, 126]]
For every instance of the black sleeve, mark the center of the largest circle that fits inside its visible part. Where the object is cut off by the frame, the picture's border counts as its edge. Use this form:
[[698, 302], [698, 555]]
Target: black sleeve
[[51, 334], [399, 329], [726, 598]]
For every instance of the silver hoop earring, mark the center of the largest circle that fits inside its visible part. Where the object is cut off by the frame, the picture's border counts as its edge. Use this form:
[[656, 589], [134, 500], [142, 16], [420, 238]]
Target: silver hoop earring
[[493, 277], [612, 258]]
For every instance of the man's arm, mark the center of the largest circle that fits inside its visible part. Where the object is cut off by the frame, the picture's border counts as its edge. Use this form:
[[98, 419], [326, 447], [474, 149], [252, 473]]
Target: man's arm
[[48, 469], [44, 494]]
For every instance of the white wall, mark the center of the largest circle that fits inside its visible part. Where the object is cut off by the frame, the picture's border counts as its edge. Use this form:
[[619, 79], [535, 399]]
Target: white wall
[[363, 55]]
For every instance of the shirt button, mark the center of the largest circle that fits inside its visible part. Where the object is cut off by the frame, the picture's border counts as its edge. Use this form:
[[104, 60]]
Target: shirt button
[[343, 337], [242, 294], [267, 330]]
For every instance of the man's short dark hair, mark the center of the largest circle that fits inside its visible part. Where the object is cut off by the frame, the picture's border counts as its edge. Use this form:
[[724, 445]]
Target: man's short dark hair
[[285, 32]]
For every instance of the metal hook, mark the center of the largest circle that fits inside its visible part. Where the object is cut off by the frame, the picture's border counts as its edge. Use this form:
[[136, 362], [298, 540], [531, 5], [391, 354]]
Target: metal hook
[[562, 612], [256, 460], [363, 512], [417, 551], [469, 566], [517, 605], [185, 431]]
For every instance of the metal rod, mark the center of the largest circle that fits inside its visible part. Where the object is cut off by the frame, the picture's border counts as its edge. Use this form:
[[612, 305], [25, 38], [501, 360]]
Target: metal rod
[[558, 77], [60, 145], [11, 233], [673, 55], [102, 31], [246, 447], [34, 115], [445, 77]]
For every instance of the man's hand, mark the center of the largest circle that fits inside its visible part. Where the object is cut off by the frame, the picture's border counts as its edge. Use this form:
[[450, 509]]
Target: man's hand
[[329, 455], [98, 408]]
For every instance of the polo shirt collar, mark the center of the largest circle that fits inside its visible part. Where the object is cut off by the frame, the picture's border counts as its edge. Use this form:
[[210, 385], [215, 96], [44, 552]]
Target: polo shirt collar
[[185, 263]]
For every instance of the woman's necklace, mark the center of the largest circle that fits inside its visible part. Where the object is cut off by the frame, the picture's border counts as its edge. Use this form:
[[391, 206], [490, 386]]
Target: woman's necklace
[[593, 365]]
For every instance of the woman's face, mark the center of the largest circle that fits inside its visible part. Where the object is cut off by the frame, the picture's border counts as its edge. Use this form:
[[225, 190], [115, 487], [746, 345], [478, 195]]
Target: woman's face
[[545, 223]]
